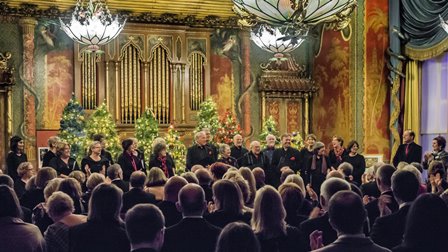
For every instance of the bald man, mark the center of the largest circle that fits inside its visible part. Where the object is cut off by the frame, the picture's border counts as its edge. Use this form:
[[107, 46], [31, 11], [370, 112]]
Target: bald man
[[193, 233]]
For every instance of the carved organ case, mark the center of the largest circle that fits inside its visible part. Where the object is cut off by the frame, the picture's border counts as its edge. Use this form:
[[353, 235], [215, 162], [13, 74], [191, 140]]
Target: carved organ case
[[164, 68]]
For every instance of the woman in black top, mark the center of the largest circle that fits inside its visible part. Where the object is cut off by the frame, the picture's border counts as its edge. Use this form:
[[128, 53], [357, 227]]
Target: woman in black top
[[160, 158], [94, 162], [338, 152], [128, 161], [52, 141], [224, 151], [63, 163], [16, 156], [356, 160], [317, 167]]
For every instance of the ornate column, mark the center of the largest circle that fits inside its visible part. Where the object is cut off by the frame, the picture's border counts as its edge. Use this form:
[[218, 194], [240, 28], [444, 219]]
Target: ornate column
[[28, 127]]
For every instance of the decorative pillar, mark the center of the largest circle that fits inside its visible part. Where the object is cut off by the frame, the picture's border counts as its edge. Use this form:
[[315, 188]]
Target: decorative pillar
[[28, 127], [245, 57]]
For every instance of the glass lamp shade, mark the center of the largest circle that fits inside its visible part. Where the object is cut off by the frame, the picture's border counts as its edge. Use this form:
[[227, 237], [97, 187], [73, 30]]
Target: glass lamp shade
[[274, 12], [92, 25], [443, 23], [274, 41]]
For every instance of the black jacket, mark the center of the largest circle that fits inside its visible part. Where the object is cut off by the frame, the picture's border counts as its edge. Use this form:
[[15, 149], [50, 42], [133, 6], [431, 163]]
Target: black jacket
[[155, 162], [202, 155], [414, 154], [169, 210], [124, 160], [388, 231], [136, 196]]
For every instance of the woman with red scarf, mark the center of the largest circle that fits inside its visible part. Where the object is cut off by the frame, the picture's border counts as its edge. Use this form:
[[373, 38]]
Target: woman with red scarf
[[338, 152], [128, 161], [160, 158]]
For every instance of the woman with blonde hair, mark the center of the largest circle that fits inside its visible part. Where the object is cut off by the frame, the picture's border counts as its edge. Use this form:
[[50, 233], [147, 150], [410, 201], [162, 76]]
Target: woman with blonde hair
[[63, 163], [247, 174], [94, 162], [269, 225], [51, 153], [25, 171], [155, 182]]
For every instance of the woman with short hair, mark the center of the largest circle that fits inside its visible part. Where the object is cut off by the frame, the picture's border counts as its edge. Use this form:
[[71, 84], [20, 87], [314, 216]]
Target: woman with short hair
[[63, 163], [237, 237], [93, 162], [162, 159], [155, 182], [51, 153], [25, 171], [128, 161], [224, 152]]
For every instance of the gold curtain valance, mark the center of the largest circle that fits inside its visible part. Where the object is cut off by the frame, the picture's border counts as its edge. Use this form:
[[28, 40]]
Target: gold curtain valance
[[427, 53]]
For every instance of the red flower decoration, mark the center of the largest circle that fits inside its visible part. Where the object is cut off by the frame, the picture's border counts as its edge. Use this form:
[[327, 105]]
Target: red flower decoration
[[292, 158]]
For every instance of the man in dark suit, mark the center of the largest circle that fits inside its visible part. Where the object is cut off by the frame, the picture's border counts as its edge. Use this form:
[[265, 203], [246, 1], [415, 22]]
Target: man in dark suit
[[209, 144], [168, 205], [115, 174], [136, 195], [408, 151], [387, 231], [284, 156], [200, 153], [255, 158], [385, 204], [328, 188], [347, 215], [145, 227], [193, 233], [237, 150]]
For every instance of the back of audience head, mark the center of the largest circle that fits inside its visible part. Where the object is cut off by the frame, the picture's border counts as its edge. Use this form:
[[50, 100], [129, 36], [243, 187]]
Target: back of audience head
[[384, 175], [190, 177], [296, 179], [260, 176], [145, 225], [44, 175], [346, 169], [330, 187], [94, 180], [228, 197], [405, 186], [346, 212], [414, 171], [25, 168], [292, 197], [9, 203], [6, 180], [156, 177], [237, 236], [137, 179], [204, 177], [58, 205], [105, 203], [427, 224], [31, 184], [191, 200], [236, 177], [401, 165], [114, 172], [52, 187], [196, 167], [71, 187], [335, 174], [172, 188], [247, 175], [418, 166], [269, 214], [79, 176], [285, 172], [218, 170]]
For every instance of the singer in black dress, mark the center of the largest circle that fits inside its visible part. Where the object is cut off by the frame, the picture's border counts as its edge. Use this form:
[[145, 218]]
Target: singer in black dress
[[16, 156], [63, 163], [94, 162]]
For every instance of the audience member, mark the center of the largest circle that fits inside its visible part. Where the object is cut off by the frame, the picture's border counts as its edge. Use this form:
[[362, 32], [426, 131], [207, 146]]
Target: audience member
[[7, 180], [437, 178], [92, 181], [155, 182], [190, 177], [136, 195], [292, 198], [246, 173], [35, 196], [218, 170], [284, 173], [81, 178], [115, 175], [260, 177], [168, 205], [205, 179], [72, 188], [25, 171], [237, 237]]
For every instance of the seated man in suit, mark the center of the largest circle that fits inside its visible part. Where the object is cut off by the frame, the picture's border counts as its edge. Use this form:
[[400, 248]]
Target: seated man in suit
[[388, 230], [168, 205], [145, 227], [192, 233], [321, 223], [115, 175], [347, 216], [136, 195]]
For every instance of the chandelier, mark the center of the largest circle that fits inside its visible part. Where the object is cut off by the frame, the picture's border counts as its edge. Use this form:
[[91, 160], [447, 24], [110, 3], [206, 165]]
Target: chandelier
[[92, 24], [273, 40]]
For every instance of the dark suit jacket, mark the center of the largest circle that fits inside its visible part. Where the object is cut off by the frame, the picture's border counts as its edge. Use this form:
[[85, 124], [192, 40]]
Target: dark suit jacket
[[373, 211], [291, 242], [191, 235], [321, 223], [136, 196], [98, 236], [238, 153], [414, 154], [126, 165], [169, 210], [170, 165], [250, 160], [144, 250], [352, 244], [123, 185], [202, 155], [222, 218], [387, 231]]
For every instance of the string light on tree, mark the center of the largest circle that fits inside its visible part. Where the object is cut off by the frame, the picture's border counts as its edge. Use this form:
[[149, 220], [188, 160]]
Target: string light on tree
[[177, 149], [228, 128], [269, 127], [146, 130], [208, 116]]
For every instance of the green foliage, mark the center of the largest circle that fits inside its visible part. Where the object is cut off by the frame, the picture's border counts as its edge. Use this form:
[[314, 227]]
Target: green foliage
[[297, 140], [72, 128], [269, 127], [228, 128], [208, 116], [101, 122], [146, 130], [177, 149]]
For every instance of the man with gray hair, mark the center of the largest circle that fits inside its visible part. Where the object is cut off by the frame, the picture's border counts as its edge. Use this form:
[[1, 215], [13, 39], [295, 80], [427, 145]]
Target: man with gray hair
[[270, 147], [200, 153], [255, 158], [237, 150], [209, 144], [328, 188], [115, 175]]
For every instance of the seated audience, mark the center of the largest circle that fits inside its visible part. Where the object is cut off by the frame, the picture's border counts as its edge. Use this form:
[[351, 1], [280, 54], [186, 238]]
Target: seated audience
[[16, 235], [72, 188], [346, 169], [160, 158], [426, 226], [205, 179], [31, 198], [218, 170], [145, 227], [168, 205], [115, 175], [25, 171], [284, 173], [347, 216], [237, 237], [7, 180], [268, 223], [155, 182], [93, 180], [136, 195], [192, 233], [81, 178], [190, 177], [60, 209], [246, 173], [260, 177], [437, 178], [228, 205], [292, 198], [307, 204], [104, 230]]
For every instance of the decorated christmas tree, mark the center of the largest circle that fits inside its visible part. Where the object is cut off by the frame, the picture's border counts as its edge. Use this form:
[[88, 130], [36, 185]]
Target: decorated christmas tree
[[228, 128], [297, 140], [101, 122], [146, 130], [269, 127], [72, 128], [177, 149], [208, 116]]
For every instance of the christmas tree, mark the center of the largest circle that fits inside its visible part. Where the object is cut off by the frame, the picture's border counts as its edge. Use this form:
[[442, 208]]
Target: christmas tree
[[101, 122], [297, 140], [208, 116], [177, 149], [72, 128], [228, 128], [269, 127], [146, 130]]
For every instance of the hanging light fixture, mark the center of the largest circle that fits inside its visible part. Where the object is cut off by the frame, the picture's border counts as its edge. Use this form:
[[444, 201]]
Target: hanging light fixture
[[273, 40], [92, 24]]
